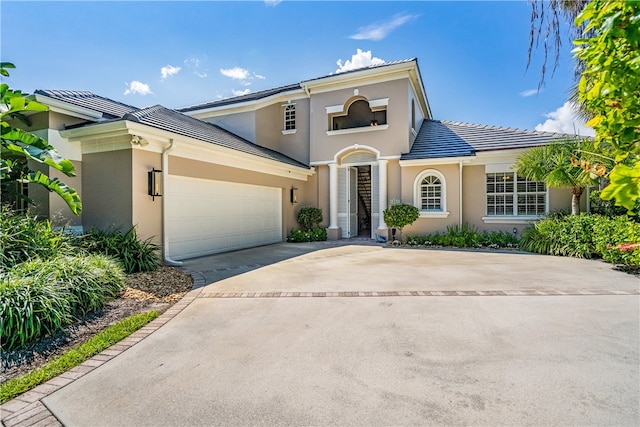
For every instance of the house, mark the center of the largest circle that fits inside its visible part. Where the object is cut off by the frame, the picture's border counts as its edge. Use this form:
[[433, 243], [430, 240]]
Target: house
[[232, 173]]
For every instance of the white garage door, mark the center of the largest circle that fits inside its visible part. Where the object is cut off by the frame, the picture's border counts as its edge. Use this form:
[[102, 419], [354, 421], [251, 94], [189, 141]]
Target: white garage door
[[206, 217]]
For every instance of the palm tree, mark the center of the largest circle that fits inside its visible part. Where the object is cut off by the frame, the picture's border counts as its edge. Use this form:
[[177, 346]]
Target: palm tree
[[556, 166]]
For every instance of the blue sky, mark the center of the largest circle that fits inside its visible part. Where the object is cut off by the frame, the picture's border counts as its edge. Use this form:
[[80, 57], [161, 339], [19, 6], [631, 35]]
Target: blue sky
[[472, 55]]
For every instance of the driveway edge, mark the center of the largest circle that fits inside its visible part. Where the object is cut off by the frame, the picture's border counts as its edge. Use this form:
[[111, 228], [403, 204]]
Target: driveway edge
[[28, 409]]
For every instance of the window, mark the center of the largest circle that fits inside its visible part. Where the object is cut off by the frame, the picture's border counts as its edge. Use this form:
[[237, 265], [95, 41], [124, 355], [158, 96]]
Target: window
[[430, 194], [413, 114], [360, 114], [290, 117], [510, 195]]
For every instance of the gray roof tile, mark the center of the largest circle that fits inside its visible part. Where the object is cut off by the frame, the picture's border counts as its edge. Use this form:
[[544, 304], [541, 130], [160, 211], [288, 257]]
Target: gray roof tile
[[441, 138], [108, 107], [173, 121]]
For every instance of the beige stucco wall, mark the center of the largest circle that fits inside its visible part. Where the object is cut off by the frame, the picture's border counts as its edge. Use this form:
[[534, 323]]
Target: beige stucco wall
[[108, 178], [390, 142], [270, 124], [241, 124], [306, 189], [146, 212], [425, 225]]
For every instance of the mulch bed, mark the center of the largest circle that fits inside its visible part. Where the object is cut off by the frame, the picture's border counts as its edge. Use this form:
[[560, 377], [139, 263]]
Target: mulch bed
[[156, 290]]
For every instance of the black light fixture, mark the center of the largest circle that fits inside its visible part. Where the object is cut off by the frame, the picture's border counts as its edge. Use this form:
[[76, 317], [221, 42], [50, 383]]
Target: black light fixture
[[294, 195], [155, 183]]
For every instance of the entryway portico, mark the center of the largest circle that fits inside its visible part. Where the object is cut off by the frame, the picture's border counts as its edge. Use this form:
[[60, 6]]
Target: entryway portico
[[357, 192]]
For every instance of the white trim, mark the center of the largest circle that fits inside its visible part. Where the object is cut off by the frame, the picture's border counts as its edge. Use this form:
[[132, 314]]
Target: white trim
[[332, 109], [354, 147], [443, 193], [439, 161], [510, 219], [356, 130], [377, 103], [251, 105], [62, 107], [289, 132], [434, 214], [326, 162]]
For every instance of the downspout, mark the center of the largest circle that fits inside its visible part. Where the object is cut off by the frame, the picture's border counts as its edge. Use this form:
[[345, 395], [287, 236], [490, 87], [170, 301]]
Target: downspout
[[165, 179], [460, 189]]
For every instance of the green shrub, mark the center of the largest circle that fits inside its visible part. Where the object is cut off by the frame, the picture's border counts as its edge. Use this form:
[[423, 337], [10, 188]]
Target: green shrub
[[309, 218], [30, 308], [135, 255], [612, 238], [400, 215], [566, 236], [24, 237], [608, 207], [466, 235], [318, 234], [39, 297]]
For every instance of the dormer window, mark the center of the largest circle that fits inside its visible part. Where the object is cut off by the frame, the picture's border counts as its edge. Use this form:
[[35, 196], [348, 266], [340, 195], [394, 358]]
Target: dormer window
[[290, 117]]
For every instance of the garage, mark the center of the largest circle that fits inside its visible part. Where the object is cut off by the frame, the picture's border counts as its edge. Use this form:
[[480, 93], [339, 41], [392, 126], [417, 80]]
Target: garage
[[205, 216]]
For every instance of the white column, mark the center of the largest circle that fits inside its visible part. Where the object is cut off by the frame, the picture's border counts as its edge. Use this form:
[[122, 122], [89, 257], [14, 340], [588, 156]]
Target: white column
[[382, 191], [333, 195]]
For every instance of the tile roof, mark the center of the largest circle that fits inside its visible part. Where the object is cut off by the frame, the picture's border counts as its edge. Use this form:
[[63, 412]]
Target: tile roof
[[255, 96], [163, 118], [441, 138], [108, 107]]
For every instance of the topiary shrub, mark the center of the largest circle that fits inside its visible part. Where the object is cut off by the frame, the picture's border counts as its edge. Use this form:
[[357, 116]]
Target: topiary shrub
[[309, 218], [400, 215]]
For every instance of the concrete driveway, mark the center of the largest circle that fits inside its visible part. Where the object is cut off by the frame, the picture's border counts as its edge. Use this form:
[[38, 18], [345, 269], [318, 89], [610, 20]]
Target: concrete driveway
[[325, 334]]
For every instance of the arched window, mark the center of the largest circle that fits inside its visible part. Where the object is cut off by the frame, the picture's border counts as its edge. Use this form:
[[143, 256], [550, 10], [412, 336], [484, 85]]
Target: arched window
[[430, 194]]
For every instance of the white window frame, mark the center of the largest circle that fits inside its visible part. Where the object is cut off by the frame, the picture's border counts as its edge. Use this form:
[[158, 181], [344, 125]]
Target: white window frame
[[513, 218], [289, 119], [417, 194]]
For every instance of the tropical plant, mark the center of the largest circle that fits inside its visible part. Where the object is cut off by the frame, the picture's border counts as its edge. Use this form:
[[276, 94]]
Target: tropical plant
[[317, 234], [555, 165], [309, 218], [39, 297], [24, 237], [610, 88], [135, 254], [19, 146], [400, 215]]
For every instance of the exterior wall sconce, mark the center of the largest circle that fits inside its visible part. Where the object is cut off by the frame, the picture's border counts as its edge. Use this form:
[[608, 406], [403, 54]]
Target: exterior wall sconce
[[294, 195], [155, 183]]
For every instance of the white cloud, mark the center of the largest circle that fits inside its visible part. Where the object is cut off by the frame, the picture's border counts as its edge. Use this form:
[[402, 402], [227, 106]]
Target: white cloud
[[359, 60], [236, 73], [193, 64], [259, 76], [138, 88], [169, 70], [241, 92], [529, 92], [565, 120], [272, 3], [380, 30]]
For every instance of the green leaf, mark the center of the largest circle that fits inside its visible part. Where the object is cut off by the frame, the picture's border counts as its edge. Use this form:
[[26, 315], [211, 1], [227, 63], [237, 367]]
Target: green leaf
[[624, 186], [68, 194]]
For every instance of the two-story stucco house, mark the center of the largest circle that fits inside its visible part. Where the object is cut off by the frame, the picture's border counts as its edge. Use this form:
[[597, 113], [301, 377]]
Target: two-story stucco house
[[233, 173]]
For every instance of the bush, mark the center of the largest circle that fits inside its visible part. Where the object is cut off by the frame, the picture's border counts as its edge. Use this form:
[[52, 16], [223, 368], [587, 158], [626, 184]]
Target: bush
[[586, 236], [134, 254], [400, 215], [608, 207], [318, 234], [612, 235], [466, 236], [24, 237], [310, 218], [30, 308], [566, 236], [39, 297]]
